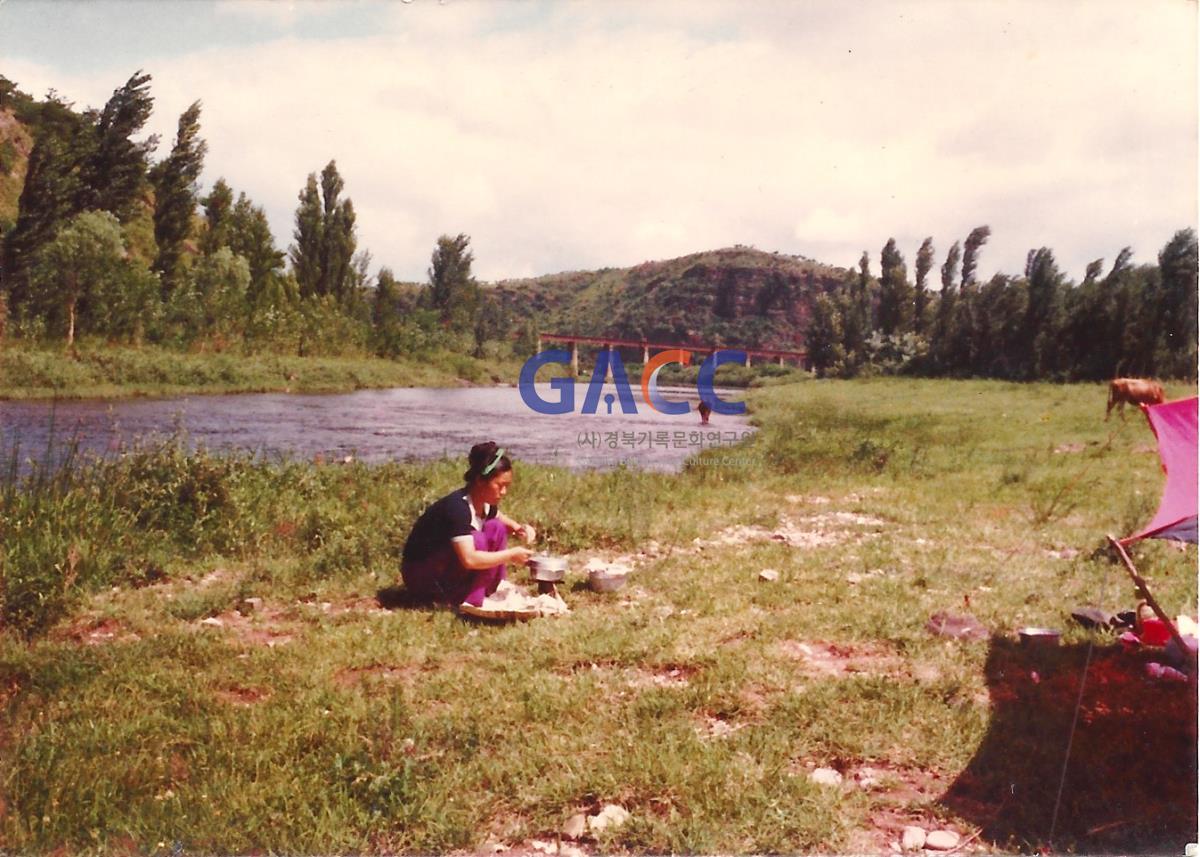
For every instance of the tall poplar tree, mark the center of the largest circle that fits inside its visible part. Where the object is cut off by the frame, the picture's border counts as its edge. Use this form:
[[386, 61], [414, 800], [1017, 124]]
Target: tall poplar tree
[[174, 183], [975, 241], [113, 173], [323, 255], [921, 296], [895, 293], [50, 194]]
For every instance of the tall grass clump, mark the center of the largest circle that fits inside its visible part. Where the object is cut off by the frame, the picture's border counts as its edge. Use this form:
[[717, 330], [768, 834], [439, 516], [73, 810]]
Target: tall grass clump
[[59, 533]]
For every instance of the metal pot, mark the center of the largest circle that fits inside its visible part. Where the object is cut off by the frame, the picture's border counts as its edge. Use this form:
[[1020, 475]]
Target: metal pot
[[550, 569], [603, 581], [1038, 637]]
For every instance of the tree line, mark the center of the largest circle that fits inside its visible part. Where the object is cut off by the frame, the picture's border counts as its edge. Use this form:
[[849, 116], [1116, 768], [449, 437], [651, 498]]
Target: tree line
[[1124, 320], [107, 243]]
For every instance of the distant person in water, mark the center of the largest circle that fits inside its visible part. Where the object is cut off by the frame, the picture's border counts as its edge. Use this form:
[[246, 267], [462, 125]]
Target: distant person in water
[[457, 552], [705, 409]]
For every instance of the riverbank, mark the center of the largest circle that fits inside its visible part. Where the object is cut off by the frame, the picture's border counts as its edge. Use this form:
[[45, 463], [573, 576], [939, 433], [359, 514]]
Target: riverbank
[[102, 371], [106, 371], [229, 667]]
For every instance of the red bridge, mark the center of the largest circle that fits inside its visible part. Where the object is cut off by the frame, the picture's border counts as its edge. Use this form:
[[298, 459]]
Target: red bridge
[[800, 358]]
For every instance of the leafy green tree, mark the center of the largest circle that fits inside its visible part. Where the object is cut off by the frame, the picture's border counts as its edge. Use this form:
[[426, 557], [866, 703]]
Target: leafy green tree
[[338, 241], [895, 293], [249, 236], [46, 202], [174, 183], [113, 173], [306, 252], [999, 349], [1177, 265], [946, 308], [1042, 322], [62, 140], [323, 254], [921, 297], [823, 339], [211, 301], [218, 206], [77, 266], [971, 247], [385, 306], [452, 290]]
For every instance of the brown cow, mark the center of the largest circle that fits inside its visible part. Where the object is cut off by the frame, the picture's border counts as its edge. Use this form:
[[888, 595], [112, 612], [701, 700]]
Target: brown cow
[[1136, 391]]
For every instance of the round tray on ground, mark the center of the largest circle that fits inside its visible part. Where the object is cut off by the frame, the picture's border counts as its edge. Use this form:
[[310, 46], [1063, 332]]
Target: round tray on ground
[[497, 615]]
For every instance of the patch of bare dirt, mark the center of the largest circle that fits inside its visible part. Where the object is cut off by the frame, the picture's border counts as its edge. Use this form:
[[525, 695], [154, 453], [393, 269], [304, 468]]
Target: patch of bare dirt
[[357, 676], [811, 531], [91, 631], [268, 626], [837, 660]]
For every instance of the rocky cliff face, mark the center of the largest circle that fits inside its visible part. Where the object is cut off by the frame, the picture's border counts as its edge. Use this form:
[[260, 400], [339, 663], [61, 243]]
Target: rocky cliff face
[[733, 296]]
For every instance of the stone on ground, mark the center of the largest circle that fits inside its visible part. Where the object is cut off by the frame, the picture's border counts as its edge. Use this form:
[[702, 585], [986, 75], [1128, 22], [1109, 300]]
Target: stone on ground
[[611, 816], [826, 777], [942, 840], [575, 826], [913, 839]]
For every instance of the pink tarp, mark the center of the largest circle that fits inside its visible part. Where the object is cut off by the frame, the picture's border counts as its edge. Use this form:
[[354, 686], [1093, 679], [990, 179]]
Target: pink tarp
[[1174, 423]]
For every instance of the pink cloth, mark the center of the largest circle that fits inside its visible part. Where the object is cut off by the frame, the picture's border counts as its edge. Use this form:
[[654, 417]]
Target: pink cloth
[[442, 578], [1174, 423]]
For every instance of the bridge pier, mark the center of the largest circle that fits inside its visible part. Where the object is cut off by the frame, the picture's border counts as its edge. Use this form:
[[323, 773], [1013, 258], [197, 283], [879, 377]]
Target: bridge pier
[[645, 354], [574, 358]]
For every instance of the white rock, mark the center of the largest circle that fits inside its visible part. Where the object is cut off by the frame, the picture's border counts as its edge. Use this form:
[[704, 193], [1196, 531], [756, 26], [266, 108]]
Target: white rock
[[213, 621], [611, 816], [544, 847], [942, 840], [575, 826], [913, 839], [826, 777], [565, 850], [768, 574]]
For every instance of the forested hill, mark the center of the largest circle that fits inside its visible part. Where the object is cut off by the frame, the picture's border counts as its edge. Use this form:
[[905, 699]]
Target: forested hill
[[733, 296]]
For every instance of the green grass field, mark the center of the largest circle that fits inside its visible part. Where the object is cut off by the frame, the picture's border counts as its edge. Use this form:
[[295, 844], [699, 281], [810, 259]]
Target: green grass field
[[199, 661]]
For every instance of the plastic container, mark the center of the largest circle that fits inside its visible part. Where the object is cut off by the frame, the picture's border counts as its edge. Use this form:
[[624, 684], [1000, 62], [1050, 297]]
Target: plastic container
[[1154, 632]]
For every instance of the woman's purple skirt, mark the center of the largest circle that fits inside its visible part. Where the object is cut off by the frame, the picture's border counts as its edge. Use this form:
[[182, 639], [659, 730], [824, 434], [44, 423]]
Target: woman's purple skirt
[[440, 577]]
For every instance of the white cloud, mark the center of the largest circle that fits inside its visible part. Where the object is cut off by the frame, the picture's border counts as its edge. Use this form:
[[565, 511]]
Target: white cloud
[[581, 135]]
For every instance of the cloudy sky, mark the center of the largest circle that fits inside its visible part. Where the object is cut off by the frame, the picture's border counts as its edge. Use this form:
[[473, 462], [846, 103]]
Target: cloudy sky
[[577, 135]]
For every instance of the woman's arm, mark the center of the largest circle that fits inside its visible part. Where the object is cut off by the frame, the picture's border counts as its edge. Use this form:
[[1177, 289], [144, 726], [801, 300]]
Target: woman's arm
[[474, 559], [528, 533]]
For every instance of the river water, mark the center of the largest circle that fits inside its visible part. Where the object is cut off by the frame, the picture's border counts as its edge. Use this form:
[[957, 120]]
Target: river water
[[377, 425]]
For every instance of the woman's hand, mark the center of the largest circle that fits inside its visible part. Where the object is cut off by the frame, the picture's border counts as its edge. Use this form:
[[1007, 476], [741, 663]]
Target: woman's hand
[[519, 556]]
